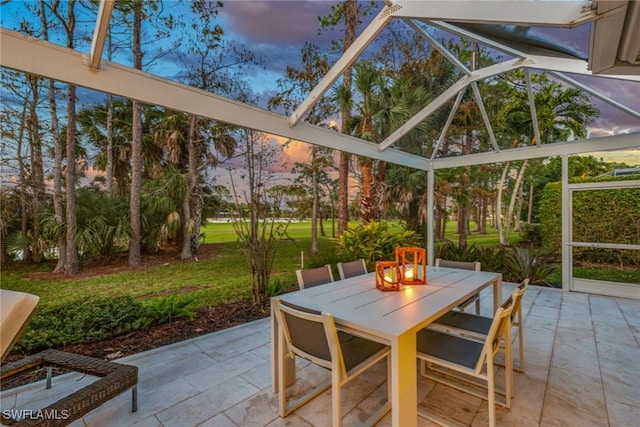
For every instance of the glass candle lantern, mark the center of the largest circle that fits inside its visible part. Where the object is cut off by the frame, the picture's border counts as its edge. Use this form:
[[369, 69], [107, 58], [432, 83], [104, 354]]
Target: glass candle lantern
[[412, 262], [388, 276]]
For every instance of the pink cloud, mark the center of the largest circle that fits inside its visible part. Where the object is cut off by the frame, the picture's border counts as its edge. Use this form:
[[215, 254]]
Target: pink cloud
[[289, 22]]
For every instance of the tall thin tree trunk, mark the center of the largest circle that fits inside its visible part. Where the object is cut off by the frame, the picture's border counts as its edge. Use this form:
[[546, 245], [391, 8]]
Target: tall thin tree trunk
[[351, 24], [71, 266], [22, 168], [380, 188], [58, 205], [483, 215], [37, 171], [518, 211], [192, 183], [314, 200], [136, 150], [509, 220], [109, 123], [530, 211], [109, 166], [367, 200], [498, 209]]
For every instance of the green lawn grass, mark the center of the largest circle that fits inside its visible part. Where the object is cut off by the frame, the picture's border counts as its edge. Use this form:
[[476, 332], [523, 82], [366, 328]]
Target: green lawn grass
[[223, 277]]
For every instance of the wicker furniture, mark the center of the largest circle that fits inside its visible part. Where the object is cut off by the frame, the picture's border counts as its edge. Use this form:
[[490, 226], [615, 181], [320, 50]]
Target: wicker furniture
[[114, 378]]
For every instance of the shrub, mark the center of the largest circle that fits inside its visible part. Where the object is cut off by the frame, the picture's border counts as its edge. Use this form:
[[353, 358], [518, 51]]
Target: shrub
[[373, 242], [90, 320], [275, 287], [166, 309], [531, 233], [515, 263], [523, 263]]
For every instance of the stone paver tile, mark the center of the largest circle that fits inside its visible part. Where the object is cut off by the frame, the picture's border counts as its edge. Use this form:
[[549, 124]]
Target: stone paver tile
[[153, 376], [218, 372], [256, 411], [573, 398], [448, 404], [220, 420], [204, 405], [149, 403]]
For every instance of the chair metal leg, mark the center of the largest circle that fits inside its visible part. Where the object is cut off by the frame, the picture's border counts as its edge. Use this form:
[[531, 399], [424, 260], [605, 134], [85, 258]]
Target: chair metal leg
[[49, 372], [134, 398]]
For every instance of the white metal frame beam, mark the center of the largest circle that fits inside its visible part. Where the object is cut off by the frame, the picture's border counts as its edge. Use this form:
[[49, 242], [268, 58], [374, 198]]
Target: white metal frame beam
[[100, 32], [441, 99], [352, 53], [452, 114], [532, 107], [485, 116], [595, 93], [523, 12], [609, 143], [437, 45], [568, 65], [31, 55]]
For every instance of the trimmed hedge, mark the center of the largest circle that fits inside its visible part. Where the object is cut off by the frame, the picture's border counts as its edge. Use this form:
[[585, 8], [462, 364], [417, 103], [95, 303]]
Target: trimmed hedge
[[607, 216]]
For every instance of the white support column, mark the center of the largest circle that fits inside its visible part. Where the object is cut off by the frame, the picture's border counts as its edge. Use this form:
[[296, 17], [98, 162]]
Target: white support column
[[567, 251], [430, 215]]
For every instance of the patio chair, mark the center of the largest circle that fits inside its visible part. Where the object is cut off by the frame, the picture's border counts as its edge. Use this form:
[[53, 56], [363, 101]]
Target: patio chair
[[477, 327], [465, 266], [314, 276], [352, 268], [468, 365], [313, 336], [115, 378]]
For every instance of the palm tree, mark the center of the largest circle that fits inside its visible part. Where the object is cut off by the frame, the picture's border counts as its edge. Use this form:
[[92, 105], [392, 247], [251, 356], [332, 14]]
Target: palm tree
[[368, 82], [185, 139], [561, 113]]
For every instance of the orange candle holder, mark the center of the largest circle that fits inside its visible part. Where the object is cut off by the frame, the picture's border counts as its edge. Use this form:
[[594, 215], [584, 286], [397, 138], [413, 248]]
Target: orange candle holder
[[388, 276], [412, 262]]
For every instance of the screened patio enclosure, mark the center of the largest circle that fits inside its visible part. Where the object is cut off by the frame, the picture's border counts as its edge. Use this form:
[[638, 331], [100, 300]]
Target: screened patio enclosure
[[613, 53]]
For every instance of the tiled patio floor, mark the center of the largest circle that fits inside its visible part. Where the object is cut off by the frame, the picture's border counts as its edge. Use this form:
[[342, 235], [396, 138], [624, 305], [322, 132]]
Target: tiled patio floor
[[582, 369]]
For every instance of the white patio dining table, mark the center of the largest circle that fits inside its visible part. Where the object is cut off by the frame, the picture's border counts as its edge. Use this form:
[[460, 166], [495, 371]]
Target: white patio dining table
[[392, 318]]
